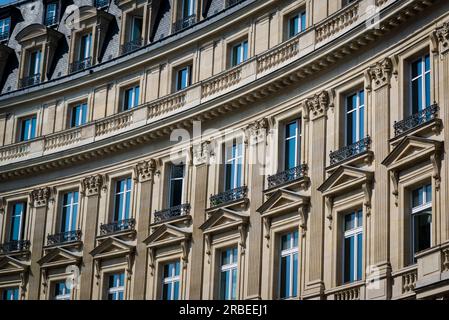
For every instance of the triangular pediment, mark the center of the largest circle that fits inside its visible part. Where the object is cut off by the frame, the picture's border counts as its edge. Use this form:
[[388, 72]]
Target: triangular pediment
[[411, 150], [59, 256], [224, 219], [167, 234], [112, 247], [282, 201], [10, 265], [37, 30], [345, 178]]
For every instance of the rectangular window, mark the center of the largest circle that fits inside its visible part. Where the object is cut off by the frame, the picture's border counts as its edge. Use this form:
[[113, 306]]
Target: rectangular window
[[79, 115], [420, 84], [176, 185], [136, 28], [353, 246], [297, 24], [10, 294], [28, 129], [5, 25], [17, 221], [292, 144], [131, 99], [289, 266], [171, 281], [355, 117], [51, 14], [421, 218], [122, 199], [61, 291], [85, 47], [116, 288], [69, 211], [228, 274], [239, 53], [183, 78], [35, 63], [233, 165], [188, 8]]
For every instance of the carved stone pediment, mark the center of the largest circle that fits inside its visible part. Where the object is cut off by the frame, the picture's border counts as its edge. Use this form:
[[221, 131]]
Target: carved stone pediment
[[112, 247], [410, 151], [166, 235], [86, 16], [38, 33], [283, 201], [59, 257], [9, 265], [344, 179], [224, 219]]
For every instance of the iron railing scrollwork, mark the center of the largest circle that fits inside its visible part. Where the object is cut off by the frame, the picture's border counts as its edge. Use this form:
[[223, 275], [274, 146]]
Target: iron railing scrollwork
[[15, 246], [117, 226], [426, 115], [64, 237], [173, 212], [30, 80], [81, 65], [228, 196], [350, 151], [184, 23], [287, 176], [131, 46]]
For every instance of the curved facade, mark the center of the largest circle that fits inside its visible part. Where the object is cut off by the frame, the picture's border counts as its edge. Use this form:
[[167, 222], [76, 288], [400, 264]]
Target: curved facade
[[221, 149]]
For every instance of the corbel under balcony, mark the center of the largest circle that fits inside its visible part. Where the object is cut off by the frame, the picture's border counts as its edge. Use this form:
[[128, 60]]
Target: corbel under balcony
[[69, 239], [173, 215], [122, 229], [358, 153], [294, 179], [235, 199]]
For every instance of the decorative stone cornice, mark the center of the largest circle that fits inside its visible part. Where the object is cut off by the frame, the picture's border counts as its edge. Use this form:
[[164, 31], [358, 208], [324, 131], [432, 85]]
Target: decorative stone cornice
[[202, 153], [40, 197], [381, 72], [442, 35], [92, 185], [144, 171], [256, 131], [318, 105]]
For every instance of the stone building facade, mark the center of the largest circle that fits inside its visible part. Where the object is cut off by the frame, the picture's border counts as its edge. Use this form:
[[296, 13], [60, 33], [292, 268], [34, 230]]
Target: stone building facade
[[223, 149]]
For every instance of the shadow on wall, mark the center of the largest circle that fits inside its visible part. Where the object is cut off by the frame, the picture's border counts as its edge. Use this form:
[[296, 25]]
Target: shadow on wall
[[163, 15]]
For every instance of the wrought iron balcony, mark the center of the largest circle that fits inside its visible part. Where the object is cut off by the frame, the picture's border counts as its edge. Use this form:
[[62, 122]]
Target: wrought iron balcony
[[80, 65], [415, 120], [230, 3], [64, 237], [51, 21], [131, 46], [15, 246], [173, 212], [4, 35], [228, 196], [350, 151], [30, 80], [184, 23], [117, 226], [287, 176], [101, 3]]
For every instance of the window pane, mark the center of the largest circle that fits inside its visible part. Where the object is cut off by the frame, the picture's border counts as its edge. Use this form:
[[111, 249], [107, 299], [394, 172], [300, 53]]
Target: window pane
[[295, 275], [224, 292], [359, 256], [349, 221], [349, 260], [428, 193], [284, 275], [422, 231], [417, 197]]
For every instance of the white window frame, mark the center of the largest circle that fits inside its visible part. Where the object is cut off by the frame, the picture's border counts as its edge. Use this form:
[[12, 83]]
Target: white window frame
[[5, 25], [172, 280], [180, 86], [132, 90], [229, 268], [116, 193], [70, 206], [299, 16], [191, 8], [37, 62], [133, 25], [354, 232], [64, 295], [357, 111], [423, 81], [171, 180], [52, 12], [228, 150], [87, 48], [289, 252], [415, 211], [22, 122], [78, 122], [117, 289], [298, 137], [22, 215], [242, 52]]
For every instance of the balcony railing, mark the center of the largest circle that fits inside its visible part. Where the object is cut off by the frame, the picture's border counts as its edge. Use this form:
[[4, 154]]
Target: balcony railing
[[228, 196], [415, 120], [131, 46], [101, 3], [173, 212], [230, 3], [287, 176], [117, 226], [64, 237], [81, 65], [30, 80], [184, 23], [350, 151], [51, 21], [15, 246], [4, 35]]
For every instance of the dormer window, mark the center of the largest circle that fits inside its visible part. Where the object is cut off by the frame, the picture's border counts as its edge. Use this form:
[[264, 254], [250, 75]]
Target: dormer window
[[84, 60], [185, 16], [51, 14], [33, 73], [5, 27], [101, 4]]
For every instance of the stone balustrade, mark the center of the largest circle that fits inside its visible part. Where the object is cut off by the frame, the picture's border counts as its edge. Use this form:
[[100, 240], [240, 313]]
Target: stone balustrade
[[115, 123], [352, 291], [221, 82], [166, 105], [279, 54], [15, 151], [62, 139], [337, 22]]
